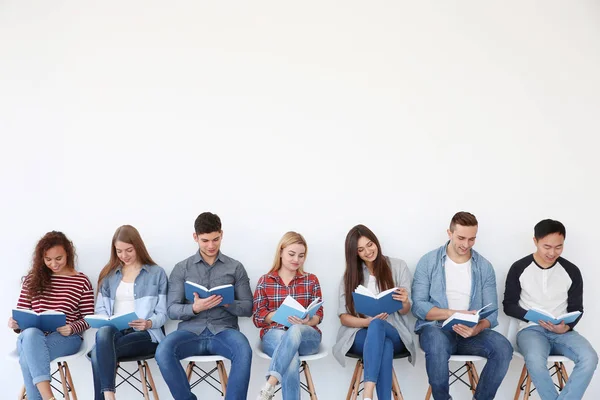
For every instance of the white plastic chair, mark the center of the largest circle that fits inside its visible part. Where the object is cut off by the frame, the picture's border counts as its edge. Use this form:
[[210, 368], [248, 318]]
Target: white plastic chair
[[524, 384], [309, 386], [66, 381], [466, 363], [203, 375]]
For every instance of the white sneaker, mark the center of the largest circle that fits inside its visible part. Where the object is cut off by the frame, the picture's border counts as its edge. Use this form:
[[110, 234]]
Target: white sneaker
[[267, 392]]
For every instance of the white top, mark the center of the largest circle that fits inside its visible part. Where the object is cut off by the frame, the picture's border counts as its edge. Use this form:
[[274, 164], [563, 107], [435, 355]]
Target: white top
[[458, 284], [372, 285], [124, 300]]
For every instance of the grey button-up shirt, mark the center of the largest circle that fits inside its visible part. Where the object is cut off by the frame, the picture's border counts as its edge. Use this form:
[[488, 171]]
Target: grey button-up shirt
[[224, 271]]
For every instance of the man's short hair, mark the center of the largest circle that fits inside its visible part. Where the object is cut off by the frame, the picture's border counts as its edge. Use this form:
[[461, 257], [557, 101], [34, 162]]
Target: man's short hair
[[547, 227], [207, 222], [463, 218]]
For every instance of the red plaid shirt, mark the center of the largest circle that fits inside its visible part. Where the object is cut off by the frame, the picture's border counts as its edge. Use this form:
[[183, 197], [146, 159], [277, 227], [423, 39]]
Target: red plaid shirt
[[271, 292]]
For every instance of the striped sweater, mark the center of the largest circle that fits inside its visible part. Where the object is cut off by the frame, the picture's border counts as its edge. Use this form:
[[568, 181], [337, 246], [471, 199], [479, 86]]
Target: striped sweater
[[72, 295]]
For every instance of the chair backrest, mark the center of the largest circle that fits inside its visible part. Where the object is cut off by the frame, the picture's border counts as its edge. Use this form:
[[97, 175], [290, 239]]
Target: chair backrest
[[513, 329]]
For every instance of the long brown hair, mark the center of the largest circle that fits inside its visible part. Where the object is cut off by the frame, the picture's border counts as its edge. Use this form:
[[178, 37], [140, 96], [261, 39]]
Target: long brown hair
[[354, 272], [38, 277], [126, 234], [288, 239]]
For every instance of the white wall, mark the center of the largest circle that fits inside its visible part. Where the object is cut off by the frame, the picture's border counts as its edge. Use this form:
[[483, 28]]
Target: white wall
[[311, 116]]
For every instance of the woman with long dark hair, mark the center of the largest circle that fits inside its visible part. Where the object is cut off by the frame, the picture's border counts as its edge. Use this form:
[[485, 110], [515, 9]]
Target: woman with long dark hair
[[130, 282], [378, 338], [52, 283]]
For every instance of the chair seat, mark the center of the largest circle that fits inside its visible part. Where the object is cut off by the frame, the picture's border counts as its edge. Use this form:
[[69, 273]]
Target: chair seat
[[551, 359], [321, 353], [404, 354], [144, 357], [466, 358], [207, 358]]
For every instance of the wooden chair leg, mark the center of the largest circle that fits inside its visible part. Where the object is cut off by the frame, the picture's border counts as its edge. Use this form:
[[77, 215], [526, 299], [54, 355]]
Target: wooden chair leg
[[527, 388], [428, 395], [63, 381], [357, 380], [471, 375], [396, 387], [143, 381], [150, 380], [520, 383], [222, 376], [352, 382], [564, 373], [189, 369], [309, 381], [475, 374], [70, 381]]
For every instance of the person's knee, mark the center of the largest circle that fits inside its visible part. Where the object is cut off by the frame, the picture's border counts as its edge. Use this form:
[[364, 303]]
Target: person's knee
[[589, 361], [30, 334], [376, 324], [502, 349], [162, 353]]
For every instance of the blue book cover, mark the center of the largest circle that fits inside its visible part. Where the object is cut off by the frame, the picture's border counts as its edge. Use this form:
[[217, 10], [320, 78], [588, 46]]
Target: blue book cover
[[369, 304], [225, 291], [534, 315], [118, 321], [469, 320], [290, 307], [46, 321]]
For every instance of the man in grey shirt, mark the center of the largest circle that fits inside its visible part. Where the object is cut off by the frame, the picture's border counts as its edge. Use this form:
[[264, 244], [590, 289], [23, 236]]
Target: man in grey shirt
[[207, 326]]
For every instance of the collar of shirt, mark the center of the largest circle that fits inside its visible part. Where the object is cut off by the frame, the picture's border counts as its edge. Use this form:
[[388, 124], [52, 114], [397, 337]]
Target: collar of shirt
[[275, 276], [120, 267], [198, 258], [474, 254]]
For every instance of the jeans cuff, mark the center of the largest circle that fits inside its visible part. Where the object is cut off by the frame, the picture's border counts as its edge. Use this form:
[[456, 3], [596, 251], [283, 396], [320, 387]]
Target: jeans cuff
[[41, 378], [107, 389], [276, 374]]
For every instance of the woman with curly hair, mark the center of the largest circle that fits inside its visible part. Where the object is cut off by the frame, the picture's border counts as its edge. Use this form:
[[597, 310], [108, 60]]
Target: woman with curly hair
[[130, 282], [52, 283]]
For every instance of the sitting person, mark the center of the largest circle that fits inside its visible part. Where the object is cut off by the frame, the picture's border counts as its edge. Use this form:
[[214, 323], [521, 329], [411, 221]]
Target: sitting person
[[374, 338], [51, 284], [284, 345], [130, 282]]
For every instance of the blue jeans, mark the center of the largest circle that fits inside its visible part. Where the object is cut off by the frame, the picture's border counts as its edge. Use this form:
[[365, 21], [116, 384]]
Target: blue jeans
[[37, 350], [285, 348], [537, 343], [112, 344], [439, 345], [377, 345], [230, 343]]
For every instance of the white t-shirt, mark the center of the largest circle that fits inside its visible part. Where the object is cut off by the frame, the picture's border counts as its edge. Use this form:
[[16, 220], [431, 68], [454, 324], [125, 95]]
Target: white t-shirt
[[124, 300], [372, 285], [458, 284]]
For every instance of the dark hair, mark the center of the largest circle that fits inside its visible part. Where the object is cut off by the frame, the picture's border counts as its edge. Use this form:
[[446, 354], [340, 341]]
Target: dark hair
[[39, 276], [547, 227], [354, 273], [462, 218], [126, 234], [207, 222]]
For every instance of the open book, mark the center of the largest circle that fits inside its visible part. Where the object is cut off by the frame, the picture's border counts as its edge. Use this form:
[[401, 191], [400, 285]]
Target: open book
[[534, 315], [226, 291], [120, 321], [469, 320], [368, 303], [46, 321], [290, 307]]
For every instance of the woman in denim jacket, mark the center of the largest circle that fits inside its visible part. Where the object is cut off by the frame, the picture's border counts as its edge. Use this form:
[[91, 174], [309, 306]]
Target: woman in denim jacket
[[130, 282]]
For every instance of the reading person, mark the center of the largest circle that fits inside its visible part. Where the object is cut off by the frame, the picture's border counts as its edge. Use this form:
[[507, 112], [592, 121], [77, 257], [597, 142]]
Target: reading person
[[455, 278], [130, 282], [546, 281], [374, 338], [284, 345], [52, 283], [207, 327]]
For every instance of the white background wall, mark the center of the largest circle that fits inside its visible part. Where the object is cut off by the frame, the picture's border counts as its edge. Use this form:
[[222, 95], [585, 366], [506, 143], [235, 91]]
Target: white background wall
[[311, 116]]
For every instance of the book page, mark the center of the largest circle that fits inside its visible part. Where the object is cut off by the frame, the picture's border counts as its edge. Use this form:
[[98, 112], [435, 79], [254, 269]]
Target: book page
[[221, 287], [197, 285], [292, 303]]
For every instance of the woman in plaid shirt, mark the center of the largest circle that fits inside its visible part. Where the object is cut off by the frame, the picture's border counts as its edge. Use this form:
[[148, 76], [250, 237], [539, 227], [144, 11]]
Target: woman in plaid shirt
[[285, 343]]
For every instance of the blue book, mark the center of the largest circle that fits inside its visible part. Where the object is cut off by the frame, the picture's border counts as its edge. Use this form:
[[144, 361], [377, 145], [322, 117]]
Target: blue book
[[368, 303], [290, 307], [534, 315], [120, 321], [469, 320], [46, 321], [225, 291]]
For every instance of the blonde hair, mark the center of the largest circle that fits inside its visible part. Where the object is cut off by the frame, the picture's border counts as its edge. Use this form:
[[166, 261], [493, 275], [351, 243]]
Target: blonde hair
[[288, 239]]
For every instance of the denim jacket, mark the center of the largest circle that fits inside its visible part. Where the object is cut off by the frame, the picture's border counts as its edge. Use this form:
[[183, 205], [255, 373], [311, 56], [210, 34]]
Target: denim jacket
[[429, 286], [150, 292]]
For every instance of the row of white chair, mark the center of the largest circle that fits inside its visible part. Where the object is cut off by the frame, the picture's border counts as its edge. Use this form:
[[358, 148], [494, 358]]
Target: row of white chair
[[194, 370]]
